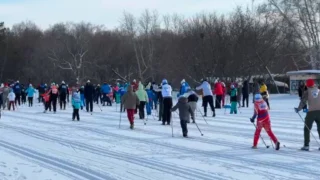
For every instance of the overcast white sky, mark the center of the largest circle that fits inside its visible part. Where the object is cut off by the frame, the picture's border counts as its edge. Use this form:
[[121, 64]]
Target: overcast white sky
[[104, 12]]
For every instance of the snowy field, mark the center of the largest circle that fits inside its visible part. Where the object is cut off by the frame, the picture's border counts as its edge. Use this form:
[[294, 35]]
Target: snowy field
[[38, 146]]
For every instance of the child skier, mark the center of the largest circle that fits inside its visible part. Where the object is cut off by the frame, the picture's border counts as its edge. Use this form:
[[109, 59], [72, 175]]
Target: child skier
[[130, 101], [234, 100], [184, 113], [46, 101], [11, 97], [76, 104], [261, 111], [30, 91]]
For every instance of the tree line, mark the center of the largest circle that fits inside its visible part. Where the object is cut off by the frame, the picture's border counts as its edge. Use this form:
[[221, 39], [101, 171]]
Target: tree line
[[274, 37]]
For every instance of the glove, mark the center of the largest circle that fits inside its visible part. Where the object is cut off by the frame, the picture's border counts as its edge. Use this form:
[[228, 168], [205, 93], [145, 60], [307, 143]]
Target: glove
[[252, 120], [296, 110]]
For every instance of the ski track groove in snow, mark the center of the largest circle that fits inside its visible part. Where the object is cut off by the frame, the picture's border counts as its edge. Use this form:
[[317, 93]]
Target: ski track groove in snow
[[78, 170], [198, 139], [284, 166], [183, 172]]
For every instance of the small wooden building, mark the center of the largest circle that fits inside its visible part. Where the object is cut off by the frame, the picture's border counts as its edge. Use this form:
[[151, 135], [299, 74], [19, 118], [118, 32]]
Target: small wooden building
[[296, 77]]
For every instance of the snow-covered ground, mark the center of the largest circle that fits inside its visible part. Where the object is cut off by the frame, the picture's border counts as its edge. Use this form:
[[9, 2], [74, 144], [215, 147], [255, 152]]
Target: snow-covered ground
[[38, 146]]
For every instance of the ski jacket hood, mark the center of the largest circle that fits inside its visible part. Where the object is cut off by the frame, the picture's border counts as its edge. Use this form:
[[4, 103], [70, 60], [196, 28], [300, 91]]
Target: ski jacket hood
[[141, 93]]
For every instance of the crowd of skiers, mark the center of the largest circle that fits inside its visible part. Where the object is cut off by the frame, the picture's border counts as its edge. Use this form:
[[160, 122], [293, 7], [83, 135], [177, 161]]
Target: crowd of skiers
[[135, 97]]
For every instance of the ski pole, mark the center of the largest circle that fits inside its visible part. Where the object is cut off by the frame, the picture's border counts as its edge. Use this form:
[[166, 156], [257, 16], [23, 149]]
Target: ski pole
[[202, 115], [120, 120], [199, 129], [308, 129], [99, 107], [261, 137]]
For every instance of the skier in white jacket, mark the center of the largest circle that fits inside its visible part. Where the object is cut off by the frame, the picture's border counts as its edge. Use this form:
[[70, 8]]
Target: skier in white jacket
[[166, 92], [11, 97], [207, 97]]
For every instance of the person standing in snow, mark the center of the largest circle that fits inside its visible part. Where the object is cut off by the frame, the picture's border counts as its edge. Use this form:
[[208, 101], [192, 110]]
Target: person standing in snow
[[63, 91], [234, 100], [12, 98], [130, 101], [245, 93], [167, 102], [192, 101], [263, 121], [184, 113], [54, 93], [76, 104], [88, 95], [207, 97], [30, 93], [312, 98], [143, 98]]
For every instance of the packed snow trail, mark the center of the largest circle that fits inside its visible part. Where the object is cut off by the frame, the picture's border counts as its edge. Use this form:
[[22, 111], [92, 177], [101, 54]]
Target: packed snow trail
[[51, 146]]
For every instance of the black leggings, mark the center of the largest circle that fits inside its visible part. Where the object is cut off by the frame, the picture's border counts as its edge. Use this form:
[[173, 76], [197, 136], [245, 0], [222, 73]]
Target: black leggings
[[30, 100]]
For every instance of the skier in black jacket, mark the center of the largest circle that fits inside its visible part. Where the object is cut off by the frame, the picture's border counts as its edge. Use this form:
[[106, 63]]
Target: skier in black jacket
[[245, 93], [88, 95], [63, 91]]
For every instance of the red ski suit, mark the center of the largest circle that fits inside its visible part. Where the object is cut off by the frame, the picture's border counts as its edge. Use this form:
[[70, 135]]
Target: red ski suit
[[263, 121]]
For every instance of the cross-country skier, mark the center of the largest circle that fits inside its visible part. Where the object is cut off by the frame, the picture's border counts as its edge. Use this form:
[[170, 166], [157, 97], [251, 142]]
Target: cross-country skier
[[83, 102], [143, 98], [17, 91], [150, 100], [23, 94], [219, 92], [30, 92], [192, 101], [88, 95], [106, 89], [310, 96], [130, 101], [12, 98], [54, 93], [46, 101], [167, 102], [245, 93], [264, 93], [263, 121], [207, 97], [184, 113], [184, 87], [233, 100], [76, 104], [63, 92]]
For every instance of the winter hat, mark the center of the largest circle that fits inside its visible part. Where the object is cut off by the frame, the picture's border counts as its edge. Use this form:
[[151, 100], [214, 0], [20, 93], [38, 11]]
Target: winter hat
[[134, 80], [18, 81], [30, 85], [164, 81], [310, 83], [183, 81], [88, 81], [53, 84], [232, 86], [258, 97], [62, 82]]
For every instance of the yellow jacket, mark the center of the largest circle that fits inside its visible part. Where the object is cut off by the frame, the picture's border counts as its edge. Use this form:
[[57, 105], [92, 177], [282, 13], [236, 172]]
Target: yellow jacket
[[263, 88]]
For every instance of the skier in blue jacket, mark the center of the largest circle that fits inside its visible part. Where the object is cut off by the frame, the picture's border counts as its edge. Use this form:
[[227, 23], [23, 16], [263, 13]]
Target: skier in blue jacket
[[30, 93], [184, 87]]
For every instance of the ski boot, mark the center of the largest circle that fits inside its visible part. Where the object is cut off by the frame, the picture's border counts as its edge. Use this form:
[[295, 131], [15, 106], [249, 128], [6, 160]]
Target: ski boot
[[277, 146], [131, 126], [213, 114], [205, 114], [254, 147], [305, 148]]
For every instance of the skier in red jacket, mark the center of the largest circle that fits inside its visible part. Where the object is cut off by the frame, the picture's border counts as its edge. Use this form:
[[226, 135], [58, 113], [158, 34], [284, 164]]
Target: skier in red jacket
[[261, 111]]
